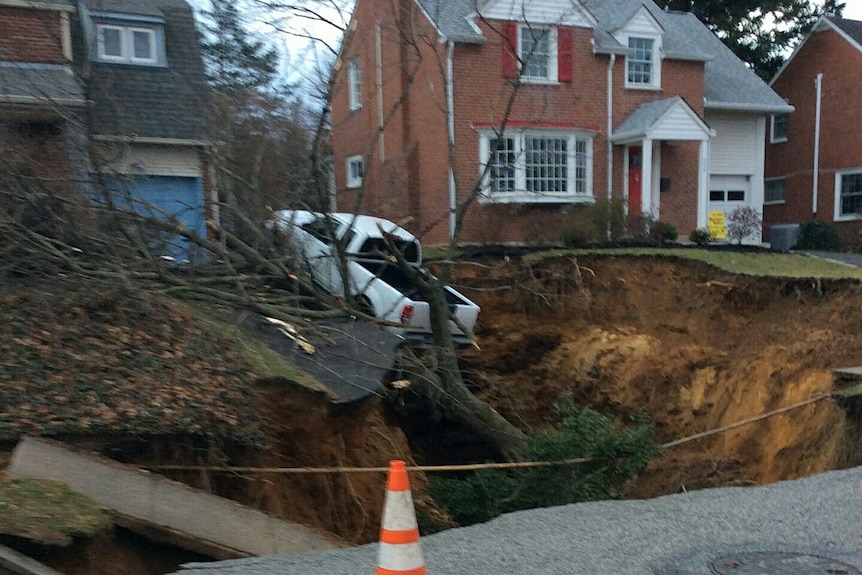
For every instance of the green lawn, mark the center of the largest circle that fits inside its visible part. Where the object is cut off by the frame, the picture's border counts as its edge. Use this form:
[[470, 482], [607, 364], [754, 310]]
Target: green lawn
[[748, 263]]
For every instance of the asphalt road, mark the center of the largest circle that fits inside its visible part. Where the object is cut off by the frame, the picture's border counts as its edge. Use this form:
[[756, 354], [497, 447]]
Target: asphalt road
[[815, 522]]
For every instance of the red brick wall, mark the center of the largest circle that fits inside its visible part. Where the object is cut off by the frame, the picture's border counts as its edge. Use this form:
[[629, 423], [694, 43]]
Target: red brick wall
[[31, 36], [414, 178], [679, 202], [840, 136]]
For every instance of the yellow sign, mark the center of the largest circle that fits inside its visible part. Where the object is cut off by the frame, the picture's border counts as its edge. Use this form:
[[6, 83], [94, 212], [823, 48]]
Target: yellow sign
[[717, 226]]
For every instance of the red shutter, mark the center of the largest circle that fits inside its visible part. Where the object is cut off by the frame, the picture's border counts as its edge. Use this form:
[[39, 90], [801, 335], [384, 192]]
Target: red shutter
[[566, 46], [510, 50]]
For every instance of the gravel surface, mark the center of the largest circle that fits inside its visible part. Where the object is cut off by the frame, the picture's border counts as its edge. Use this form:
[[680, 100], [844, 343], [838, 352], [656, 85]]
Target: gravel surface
[[671, 535]]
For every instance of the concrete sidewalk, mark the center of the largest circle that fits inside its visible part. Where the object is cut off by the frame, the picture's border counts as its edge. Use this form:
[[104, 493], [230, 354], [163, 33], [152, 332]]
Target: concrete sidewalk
[[168, 510]]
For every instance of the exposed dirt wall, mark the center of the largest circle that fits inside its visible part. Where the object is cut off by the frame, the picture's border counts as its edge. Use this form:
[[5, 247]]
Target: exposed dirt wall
[[695, 347]]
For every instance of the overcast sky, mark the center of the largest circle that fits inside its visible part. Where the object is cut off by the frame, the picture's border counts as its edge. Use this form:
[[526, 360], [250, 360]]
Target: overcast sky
[[853, 11]]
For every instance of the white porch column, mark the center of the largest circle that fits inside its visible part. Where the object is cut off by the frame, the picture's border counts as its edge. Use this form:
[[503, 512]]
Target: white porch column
[[646, 176], [703, 185]]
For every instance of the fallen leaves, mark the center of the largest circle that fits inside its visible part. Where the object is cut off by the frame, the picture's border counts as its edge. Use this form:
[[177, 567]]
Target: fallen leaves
[[85, 359]]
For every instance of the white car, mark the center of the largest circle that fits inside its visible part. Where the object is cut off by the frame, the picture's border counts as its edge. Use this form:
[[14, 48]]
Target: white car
[[374, 279]]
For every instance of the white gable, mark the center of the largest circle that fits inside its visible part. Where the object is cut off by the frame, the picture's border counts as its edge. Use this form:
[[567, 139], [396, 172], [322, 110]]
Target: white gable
[[554, 12], [679, 123], [642, 23]]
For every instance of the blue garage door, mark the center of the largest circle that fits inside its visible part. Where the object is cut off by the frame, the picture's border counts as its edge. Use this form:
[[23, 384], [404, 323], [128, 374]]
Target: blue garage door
[[165, 198]]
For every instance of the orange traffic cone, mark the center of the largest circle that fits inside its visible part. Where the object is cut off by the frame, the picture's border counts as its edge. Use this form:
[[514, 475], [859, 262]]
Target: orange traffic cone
[[400, 551]]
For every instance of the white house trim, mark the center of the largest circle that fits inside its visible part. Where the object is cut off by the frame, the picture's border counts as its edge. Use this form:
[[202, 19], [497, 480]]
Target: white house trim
[[551, 12]]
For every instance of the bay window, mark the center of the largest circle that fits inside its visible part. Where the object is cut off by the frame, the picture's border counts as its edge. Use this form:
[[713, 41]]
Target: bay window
[[537, 166]]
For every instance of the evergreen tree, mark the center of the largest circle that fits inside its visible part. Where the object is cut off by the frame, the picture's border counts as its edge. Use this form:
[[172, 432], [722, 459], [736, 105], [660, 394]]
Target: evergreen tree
[[235, 59], [760, 32]]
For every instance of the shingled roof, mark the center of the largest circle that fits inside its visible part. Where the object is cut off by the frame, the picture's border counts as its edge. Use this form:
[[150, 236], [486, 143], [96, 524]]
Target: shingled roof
[[39, 84], [853, 28], [150, 101], [728, 82]]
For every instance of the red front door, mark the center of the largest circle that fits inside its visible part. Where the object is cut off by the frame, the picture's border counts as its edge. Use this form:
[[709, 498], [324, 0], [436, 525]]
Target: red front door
[[635, 172]]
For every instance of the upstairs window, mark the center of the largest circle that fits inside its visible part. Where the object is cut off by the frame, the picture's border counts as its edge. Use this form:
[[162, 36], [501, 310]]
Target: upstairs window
[[778, 133], [354, 83], [127, 44], [537, 54], [642, 63], [537, 49]]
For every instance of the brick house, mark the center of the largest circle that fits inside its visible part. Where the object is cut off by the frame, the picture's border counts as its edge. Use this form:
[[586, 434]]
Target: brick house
[[814, 156], [126, 80], [41, 98], [548, 105]]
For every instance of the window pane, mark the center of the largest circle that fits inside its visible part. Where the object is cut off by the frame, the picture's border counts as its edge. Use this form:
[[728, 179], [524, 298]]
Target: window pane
[[779, 126], [640, 61], [112, 44], [580, 166], [716, 195], [851, 194], [774, 191], [354, 80], [535, 52], [735, 196], [546, 164], [143, 44], [502, 164]]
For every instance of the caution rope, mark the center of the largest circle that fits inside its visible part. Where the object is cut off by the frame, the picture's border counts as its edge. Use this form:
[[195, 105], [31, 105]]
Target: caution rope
[[480, 466]]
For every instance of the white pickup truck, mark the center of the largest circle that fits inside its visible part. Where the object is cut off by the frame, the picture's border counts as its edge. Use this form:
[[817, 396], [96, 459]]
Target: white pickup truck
[[375, 280]]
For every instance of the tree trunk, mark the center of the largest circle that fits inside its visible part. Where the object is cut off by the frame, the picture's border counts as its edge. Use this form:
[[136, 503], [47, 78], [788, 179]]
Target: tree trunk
[[445, 386]]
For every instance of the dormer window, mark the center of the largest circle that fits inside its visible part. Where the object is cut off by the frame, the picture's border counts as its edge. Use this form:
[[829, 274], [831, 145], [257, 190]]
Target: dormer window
[[639, 65], [643, 63], [132, 40], [127, 44]]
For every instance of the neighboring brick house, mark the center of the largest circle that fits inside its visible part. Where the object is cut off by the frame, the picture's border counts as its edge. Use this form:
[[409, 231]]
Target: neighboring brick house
[[142, 123], [814, 156], [616, 98], [41, 98]]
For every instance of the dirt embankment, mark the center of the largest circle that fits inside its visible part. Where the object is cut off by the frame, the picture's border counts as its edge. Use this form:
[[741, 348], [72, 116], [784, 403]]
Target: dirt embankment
[[695, 347]]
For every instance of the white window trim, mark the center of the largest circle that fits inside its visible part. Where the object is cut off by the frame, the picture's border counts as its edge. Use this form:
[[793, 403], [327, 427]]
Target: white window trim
[[354, 84], [521, 195], [772, 138], [354, 182], [838, 216], [553, 55], [775, 202], [655, 78], [127, 47]]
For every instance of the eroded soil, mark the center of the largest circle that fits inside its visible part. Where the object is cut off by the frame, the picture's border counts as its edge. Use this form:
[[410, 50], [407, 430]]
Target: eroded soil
[[695, 347]]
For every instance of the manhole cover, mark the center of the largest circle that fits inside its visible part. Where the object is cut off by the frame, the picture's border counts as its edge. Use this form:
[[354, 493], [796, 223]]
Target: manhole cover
[[776, 563]]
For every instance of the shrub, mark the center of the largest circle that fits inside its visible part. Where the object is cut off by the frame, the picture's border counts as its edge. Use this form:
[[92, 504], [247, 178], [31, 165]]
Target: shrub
[[818, 235], [604, 220], [663, 232], [609, 217], [700, 236], [743, 222], [617, 454], [579, 235]]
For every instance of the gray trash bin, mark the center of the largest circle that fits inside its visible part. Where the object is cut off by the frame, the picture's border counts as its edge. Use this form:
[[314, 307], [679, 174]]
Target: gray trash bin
[[782, 237]]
